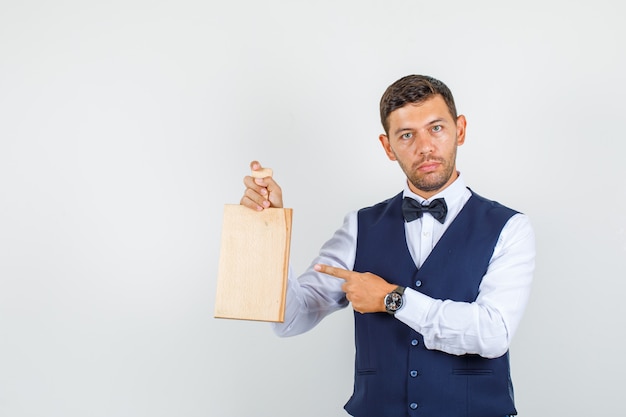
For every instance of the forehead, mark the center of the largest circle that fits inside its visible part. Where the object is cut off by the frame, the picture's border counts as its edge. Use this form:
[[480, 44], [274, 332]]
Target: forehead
[[430, 110]]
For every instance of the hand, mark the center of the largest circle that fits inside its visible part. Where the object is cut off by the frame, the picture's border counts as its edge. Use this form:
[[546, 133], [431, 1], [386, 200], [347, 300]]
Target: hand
[[261, 193], [365, 291]]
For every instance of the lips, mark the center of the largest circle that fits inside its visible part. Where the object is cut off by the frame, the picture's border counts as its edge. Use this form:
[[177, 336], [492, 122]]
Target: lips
[[428, 166]]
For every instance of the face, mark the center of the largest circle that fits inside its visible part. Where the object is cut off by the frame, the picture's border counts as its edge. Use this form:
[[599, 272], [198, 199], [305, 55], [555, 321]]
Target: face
[[423, 138]]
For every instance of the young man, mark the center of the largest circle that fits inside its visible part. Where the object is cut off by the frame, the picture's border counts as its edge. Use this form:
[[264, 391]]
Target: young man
[[438, 276]]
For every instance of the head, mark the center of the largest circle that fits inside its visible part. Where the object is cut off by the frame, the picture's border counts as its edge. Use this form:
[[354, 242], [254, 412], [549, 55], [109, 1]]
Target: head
[[422, 132], [413, 89]]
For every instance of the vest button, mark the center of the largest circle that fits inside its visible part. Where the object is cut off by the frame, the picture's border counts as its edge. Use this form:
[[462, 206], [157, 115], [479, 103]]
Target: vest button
[[413, 374], [413, 406], [418, 283], [414, 342]]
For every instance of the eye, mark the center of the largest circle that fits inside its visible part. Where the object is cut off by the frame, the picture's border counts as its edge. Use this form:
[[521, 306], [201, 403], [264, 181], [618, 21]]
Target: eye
[[437, 128], [407, 135]]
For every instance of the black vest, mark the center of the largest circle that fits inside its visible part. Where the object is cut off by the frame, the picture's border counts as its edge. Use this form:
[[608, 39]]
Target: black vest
[[395, 375]]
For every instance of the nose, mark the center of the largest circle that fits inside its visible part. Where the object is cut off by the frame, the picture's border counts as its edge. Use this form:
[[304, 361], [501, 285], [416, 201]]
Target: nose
[[423, 143]]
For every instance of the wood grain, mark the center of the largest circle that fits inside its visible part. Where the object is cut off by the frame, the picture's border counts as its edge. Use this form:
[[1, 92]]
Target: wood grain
[[253, 265]]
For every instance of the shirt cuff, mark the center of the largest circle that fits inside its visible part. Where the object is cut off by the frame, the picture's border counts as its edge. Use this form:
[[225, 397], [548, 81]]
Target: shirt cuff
[[415, 309]]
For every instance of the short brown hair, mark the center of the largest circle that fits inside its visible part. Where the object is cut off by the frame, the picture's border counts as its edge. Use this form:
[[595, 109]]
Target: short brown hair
[[413, 89]]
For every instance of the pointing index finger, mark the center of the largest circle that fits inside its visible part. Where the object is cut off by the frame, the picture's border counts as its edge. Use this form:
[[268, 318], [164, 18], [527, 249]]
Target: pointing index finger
[[334, 272]]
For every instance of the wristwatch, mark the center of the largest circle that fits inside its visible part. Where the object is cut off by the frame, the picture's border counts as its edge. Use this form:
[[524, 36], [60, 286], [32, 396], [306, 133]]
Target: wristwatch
[[394, 300]]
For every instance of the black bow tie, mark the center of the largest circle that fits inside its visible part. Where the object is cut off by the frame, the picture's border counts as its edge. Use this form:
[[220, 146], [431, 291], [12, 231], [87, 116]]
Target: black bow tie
[[413, 210]]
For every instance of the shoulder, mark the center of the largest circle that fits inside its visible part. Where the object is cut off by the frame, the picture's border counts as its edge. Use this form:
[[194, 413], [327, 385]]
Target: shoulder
[[488, 202], [389, 205], [519, 225], [516, 225], [490, 207], [383, 204]]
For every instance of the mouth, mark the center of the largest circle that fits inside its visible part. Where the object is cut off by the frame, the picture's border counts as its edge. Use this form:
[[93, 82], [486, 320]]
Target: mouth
[[428, 166]]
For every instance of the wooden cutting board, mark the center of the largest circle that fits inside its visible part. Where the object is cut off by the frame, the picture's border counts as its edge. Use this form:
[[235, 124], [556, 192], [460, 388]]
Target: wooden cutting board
[[253, 265]]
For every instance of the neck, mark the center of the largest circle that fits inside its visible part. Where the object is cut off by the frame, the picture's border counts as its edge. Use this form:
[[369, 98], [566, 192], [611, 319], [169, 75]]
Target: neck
[[426, 194]]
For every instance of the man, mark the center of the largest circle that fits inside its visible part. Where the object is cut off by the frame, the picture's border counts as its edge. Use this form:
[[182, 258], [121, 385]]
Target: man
[[438, 276]]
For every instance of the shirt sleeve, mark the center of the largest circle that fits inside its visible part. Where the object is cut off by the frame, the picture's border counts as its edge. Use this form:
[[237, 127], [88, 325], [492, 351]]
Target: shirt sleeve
[[487, 325], [313, 295]]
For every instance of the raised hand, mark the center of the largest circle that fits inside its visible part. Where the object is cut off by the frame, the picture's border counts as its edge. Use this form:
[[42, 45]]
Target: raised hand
[[261, 193]]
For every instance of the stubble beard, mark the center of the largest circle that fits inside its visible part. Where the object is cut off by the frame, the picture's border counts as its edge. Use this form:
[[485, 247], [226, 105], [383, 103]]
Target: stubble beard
[[431, 181]]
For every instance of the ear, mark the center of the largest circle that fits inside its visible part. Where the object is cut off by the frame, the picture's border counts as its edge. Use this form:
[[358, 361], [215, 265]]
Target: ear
[[384, 140], [461, 123]]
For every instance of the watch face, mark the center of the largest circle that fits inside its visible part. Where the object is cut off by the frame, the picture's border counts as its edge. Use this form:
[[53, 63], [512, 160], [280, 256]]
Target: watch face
[[393, 301]]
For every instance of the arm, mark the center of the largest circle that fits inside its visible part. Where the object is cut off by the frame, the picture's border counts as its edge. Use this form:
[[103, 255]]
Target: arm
[[485, 326], [313, 295]]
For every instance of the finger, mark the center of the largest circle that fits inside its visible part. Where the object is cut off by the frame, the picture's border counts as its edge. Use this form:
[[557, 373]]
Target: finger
[[260, 172], [274, 191], [252, 204], [257, 186], [334, 272], [267, 188], [263, 184], [254, 200]]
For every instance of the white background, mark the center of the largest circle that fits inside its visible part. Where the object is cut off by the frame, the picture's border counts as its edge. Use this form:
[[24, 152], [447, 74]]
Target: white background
[[125, 126]]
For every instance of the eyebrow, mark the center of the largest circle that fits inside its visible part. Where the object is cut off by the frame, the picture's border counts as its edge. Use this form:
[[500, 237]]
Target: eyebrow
[[436, 121], [403, 129]]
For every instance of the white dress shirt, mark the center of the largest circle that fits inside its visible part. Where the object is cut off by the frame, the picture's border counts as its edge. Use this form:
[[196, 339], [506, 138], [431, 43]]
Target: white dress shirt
[[484, 327]]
